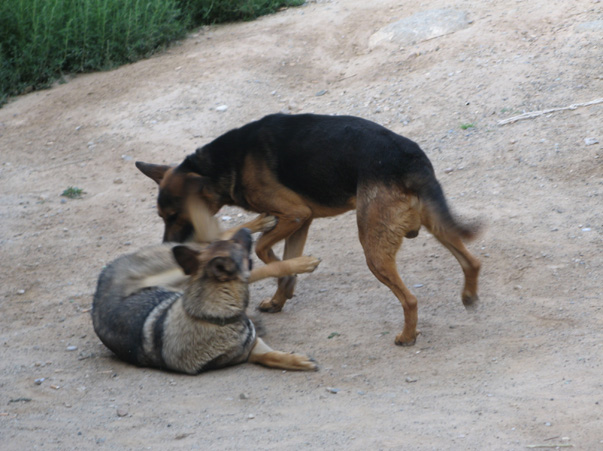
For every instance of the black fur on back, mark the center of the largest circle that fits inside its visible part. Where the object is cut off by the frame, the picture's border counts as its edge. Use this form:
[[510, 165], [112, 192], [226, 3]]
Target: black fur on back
[[324, 158], [321, 157]]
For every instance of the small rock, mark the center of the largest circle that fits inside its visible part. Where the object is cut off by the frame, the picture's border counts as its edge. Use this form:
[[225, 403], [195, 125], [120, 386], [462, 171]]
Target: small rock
[[586, 229], [322, 92], [448, 170], [410, 380], [591, 141], [39, 381], [226, 218], [243, 396], [118, 181], [122, 413], [221, 108], [20, 292], [250, 416], [333, 390], [71, 348], [417, 285]]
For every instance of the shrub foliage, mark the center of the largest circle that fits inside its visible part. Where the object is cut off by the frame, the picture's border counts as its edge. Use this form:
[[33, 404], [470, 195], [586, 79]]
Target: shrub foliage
[[42, 39]]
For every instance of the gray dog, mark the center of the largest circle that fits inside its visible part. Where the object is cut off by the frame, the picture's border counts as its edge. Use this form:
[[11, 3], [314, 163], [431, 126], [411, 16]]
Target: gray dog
[[182, 307]]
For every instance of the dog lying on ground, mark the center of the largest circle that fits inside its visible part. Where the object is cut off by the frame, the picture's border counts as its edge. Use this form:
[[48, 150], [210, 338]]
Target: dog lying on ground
[[182, 307], [301, 167]]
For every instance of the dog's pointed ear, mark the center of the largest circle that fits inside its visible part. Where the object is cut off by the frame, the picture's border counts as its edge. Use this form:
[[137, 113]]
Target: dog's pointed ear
[[153, 171], [243, 237], [187, 258]]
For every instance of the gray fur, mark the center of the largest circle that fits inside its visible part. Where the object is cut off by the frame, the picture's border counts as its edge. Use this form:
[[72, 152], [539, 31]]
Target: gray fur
[[190, 324]]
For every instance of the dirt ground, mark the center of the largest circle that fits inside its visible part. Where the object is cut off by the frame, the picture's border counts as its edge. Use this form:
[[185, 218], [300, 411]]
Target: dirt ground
[[525, 369]]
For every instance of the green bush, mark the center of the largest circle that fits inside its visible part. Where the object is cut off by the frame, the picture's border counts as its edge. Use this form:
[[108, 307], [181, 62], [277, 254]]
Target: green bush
[[217, 11], [42, 39]]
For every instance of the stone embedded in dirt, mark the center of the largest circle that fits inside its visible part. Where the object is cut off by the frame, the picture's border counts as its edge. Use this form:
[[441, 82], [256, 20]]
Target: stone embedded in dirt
[[595, 25], [591, 141], [39, 381], [122, 413], [333, 390], [421, 27], [243, 396], [71, 348], [221, 108], [410, 380]]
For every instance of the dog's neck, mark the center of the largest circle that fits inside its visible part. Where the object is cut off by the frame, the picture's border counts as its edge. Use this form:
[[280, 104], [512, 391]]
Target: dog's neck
[[217, 303]]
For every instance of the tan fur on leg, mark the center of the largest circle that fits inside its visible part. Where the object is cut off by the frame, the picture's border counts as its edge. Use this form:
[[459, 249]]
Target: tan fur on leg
[[263, 354], [296, 265]]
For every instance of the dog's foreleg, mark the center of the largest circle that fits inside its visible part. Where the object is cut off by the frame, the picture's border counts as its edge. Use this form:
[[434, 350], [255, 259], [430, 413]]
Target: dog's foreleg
[[295, 233], [261, 223], [298, 265], [263, 354]]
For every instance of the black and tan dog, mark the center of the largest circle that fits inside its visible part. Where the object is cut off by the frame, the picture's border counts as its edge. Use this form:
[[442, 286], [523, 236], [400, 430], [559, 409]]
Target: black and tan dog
[[141, 313], [301, 167]]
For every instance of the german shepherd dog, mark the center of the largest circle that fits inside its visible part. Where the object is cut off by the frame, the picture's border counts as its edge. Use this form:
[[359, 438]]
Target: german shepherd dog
[[301, 167], [141, 313]]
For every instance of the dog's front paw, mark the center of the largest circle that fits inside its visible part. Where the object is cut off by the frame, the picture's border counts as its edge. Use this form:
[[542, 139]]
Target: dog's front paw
[[306, 264], [268, 306], [303, 363]]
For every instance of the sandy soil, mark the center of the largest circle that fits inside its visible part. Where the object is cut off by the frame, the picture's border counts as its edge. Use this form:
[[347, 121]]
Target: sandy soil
[[526, 369]]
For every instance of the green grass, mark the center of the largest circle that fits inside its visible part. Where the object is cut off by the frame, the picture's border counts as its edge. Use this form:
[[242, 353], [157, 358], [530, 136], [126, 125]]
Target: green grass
[[73, 192], [41, 40], [467, 126], [218, 11]]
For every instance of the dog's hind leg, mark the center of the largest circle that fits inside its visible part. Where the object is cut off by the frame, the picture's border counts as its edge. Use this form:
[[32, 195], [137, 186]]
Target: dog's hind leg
[[385, 217], [263, 354], [468, 262]]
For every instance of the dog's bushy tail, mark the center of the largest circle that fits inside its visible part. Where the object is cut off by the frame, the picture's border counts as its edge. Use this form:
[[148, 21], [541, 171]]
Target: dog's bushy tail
[[437, 216]]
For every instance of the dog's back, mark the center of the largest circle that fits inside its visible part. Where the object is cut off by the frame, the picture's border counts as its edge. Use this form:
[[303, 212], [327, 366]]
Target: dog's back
[[125, 298]]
